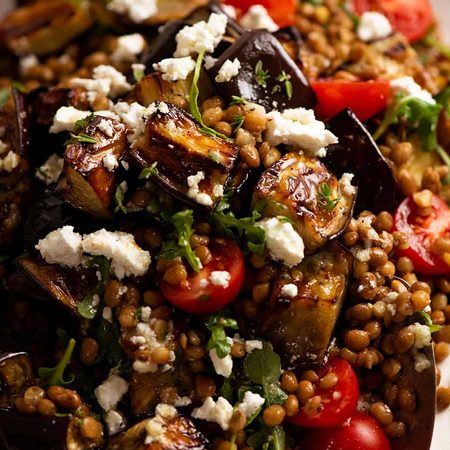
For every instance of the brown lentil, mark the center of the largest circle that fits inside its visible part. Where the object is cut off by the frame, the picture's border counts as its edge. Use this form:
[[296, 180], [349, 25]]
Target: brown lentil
[[91, 429], [237, 422], [212, 115], [203, 253], [54, 391], [161, 355], [313, 406], [113, 293], [274, 415], [395, 429], [69, 399], [381, 412], [329, 381], [291, 405], [356, 340], [127, 317], [33, 394], [289, 382], [305, 391], [46, 407], [441, 351], [255, 122], [88, 351], [237, 349], [224, 128], [443, 397], [176, 274], [204, 386], [153, 298], [250, 156], [24, 407]]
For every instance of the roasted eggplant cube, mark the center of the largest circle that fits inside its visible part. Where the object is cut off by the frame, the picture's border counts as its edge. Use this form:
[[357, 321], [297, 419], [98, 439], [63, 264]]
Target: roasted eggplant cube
[[16, 372], [303, 190], [174, 142], [357, 153], [300, 328], [265, 75], [85, 182]]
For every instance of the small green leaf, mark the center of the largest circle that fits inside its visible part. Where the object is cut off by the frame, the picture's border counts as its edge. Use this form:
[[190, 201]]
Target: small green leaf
[[324, 197], [54, 376], [261, 75], [217, 324], [82, 138], [183, 222], [119, 197], [138, 73], [150, 171], [83, 123], [429, 322], [284, 78], [263, 366], [236, 100], [4, 96], [238, 121], [108, 337]]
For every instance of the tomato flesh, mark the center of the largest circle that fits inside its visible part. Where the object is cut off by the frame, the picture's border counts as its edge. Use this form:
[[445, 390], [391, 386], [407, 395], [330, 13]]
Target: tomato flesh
[[281, 11], [364, 98], [199, 295], [338, 403], [421, 232], [362, 432], [412, 18]]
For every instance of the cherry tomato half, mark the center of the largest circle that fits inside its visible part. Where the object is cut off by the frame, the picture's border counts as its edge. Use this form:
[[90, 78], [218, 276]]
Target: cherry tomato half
[[362, 432], [412, 18], [281, 11], [421, 232], [338, 403], [364, 98], [199, 294]]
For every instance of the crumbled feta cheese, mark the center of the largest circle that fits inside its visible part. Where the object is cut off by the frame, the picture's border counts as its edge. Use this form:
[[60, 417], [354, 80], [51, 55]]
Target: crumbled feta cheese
[[137, 10], [220, 278], [93, 87], [373, 25], [61, 246], [125, 164], [174, 69], [115, 422], [194, 191], [127, 259], [251, 403], [26, 63], [107, 314], [363, 255], [289, 290], [106, 127], [50, 171], [228, 70], [182, 401], [203, 282], [222, 366], [117, 80], [346, 184], [219, 412], [128, 47], [10, 161], [300, 129], [201, 36], [421, 362], [65, 119], [110, 162], [145, 313], [407, 85], [258, 17], [156, 426], [283, 242], [253, 345], [209, 62], [110, 392], [422, 335], [3, 147]]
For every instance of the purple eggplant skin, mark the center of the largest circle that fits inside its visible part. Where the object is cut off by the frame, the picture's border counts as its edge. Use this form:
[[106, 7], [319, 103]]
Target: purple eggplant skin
[[291, 39], [260, 46], [357, 153]]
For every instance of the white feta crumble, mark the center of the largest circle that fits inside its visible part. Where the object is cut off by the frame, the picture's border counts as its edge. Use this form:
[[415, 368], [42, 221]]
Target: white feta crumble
[[137, 10], [156, 426], [258, 17], [115, 422], [220, 278], [106, 127], [201, 36], [110, 392], [251, 403], [182, 401], [289, 290], [203, 282], [346, 184], [422, 335], [127, 259], [363, 255], [110, 162], [194, 191], [300, 129], [373, 25], [26, 63], [3, 147], [61, 246], [128, 47], [65, 119], [219, 412], [209, 62], [107, 314], [117, 80], [145, 313], [50, 171], [222, 366], [174, 69], [10, 161], [228, 70], [421, 362], [253, 344], [407, 85], [283, 242], [93, 87]]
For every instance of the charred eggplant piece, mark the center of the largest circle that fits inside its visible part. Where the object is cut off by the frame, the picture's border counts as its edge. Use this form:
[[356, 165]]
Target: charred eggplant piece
[[174, 142], [303, 190], [44, 27], [300, 328], [264, 66], [16, 372], [291, 39], [85, 182], [179, 434], [358, 154]]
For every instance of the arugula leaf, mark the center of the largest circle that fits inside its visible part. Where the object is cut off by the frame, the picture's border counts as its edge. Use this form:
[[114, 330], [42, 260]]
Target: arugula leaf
[[108, 337], [226, 390], [429, 323], [273, 438], [261, 75], [54, 376], [119, 197], [4, 95], [218, 340], [324, 197], [151, 171], [88, 307]]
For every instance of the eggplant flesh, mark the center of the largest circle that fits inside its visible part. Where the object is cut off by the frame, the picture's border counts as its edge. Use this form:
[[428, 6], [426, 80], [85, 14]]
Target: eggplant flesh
[[301, 328], [292, 188], [357, 153], [16, 371]]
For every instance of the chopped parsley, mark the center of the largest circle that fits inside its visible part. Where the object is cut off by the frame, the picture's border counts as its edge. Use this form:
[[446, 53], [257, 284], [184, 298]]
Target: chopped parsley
[[238, 121], [324, 197], [80, 138], [151, 171], [236, 100], [4, 96], [54, 376], [284, 78], [119, 197], [218, 340], [261, 75], [83, 123]]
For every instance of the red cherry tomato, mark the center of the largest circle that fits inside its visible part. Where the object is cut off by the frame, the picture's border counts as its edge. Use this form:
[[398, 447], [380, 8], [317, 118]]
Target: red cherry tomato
[[364, 98], [199, 294], [281, 11], [412, 18], [421, 232], [338, 403], [362, 432]]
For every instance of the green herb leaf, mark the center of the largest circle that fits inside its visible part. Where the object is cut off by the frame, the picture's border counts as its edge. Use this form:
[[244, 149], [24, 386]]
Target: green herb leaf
[[226, 390], [284, 78], [324, 198], [443, 98], [236, 100], [138, 74], [238, 121], [150, 171], [263, 366], [432, 40], [261, 75], [429, 322], [19, 86], [82, 138], [54, 376], [218, 340], [269, 438], [4, 95], [83, 123], [108, 337], [119, 197]]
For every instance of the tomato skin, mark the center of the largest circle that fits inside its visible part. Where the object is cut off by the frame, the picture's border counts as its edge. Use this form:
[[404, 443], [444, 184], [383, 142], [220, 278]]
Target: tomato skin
[[335, 410], [281, 11], [195, 298], [361, 433], [364, 98], [412, 18], [420, 235]]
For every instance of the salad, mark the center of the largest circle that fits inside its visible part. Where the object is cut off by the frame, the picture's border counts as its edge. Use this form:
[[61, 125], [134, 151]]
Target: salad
[[223, 225]]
